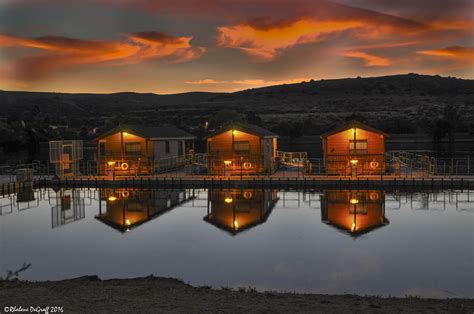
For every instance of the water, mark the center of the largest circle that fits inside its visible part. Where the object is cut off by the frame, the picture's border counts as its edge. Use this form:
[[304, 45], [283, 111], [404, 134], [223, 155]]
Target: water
[[331, 242]]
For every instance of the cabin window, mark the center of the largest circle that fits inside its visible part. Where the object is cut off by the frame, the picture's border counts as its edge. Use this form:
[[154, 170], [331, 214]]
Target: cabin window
[[242, 146], [359, 148], [133, 149], [167, 147]]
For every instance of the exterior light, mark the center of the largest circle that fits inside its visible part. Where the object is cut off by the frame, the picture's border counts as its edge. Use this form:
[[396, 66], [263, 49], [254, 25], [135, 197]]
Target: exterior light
[[111, 163], [354, 162], [206, 125], [125, 133], [227, 162], [234, 132], [354, 201], [127, 222], [353, 130], [228, 200], [112, 198], [353, 228], [236, 224]]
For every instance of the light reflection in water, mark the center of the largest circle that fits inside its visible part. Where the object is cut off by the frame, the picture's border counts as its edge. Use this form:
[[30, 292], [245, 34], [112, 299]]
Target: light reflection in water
[[236, 210], [356, 212], [391, 243], [126, 209]]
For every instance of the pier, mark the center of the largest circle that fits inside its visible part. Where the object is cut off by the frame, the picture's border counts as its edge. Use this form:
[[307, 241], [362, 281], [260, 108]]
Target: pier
[[264, 182]]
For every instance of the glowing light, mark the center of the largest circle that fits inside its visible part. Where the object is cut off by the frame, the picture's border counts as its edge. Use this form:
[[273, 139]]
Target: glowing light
[[111, 163], [353, 228], [236, 224], [112, 198], [354, 162], [354, 201], [228, 200], [234, 132], [127, 222], [227, 162], [125, 134], [353, 130]]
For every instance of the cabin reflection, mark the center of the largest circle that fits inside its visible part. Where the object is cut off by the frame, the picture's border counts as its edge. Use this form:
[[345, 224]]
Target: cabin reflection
[[354, 212], [236, 210], [69, 207], [128, 208]]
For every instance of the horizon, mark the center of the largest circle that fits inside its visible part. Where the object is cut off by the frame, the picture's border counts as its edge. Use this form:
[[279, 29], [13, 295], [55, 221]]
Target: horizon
[[150, 46], [237, 91]]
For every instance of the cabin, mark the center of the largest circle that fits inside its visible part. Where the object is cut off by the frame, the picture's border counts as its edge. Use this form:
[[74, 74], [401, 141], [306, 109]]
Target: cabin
[[133, 149], [236, 210], [241, 149], [354, 212], [354, 149], [126, 209]]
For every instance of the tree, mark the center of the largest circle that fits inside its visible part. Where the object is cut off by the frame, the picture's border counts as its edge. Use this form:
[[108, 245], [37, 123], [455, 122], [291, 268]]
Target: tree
[[224, 117], [446, 124], [252, 118]]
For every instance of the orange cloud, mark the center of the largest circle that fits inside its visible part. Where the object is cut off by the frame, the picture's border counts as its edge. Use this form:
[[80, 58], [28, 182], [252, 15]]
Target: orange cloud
[[250, 82], [263, 39], [454, 52], [160, 45], [370, 60], [62, 52]]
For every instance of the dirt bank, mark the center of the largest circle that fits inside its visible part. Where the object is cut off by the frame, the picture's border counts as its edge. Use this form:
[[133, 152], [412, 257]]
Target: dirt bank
[[152, 294]]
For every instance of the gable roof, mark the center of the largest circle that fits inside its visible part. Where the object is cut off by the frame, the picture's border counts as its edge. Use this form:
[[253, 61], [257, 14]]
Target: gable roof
[[358, 233], [244, 127], [354, 124], [155, 132]]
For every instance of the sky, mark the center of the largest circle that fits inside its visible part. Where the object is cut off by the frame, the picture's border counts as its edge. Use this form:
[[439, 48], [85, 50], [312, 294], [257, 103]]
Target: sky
[[163, 46]]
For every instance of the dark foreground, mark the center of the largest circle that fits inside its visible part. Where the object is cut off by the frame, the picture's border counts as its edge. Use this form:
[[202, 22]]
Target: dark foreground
[[152, 294]]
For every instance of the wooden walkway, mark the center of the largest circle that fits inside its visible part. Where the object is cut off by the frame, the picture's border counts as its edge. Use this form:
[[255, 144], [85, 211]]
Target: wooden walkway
[[269, 182]]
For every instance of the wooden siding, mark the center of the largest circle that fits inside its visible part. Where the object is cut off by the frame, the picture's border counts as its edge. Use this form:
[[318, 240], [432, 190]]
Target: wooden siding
[[115, 151], [337, 153], [259, 159]]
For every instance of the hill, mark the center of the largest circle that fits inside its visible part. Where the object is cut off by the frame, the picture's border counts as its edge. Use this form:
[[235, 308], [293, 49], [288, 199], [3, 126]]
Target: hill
[[396, 104]]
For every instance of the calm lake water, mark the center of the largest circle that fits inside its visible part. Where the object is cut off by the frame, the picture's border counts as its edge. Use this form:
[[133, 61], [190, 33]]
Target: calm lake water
[[331, 242]]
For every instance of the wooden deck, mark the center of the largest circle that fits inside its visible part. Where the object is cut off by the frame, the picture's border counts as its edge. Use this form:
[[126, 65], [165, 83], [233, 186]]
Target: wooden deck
[[263, 182]]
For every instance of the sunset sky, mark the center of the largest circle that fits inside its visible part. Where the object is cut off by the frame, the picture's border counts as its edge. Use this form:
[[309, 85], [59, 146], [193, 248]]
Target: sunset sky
[[164, 46]]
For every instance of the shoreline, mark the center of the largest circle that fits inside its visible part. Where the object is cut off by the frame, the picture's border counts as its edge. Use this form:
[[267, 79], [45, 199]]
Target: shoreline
[[151, 293]]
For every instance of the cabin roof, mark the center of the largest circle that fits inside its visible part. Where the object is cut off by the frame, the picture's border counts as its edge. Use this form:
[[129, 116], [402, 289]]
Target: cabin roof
[[353, 124], [245, 127], [360, 232], [148, 132]]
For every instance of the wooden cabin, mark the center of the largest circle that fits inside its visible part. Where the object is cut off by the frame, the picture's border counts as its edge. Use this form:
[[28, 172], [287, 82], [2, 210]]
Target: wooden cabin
[[236, 210], [354, 149], [126, 209], [354, 212], [132, 149], [241, 149]]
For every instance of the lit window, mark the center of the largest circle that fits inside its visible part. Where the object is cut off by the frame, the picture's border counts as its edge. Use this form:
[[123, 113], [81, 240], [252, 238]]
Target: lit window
[[242, 146], [360, 147], [133, 149]]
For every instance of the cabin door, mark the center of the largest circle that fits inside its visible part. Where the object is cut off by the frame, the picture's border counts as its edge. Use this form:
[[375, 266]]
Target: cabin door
[[66, 160]]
